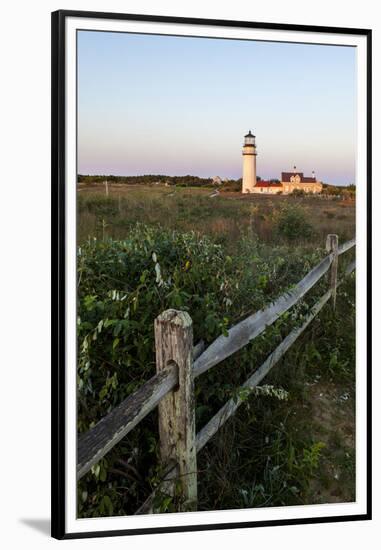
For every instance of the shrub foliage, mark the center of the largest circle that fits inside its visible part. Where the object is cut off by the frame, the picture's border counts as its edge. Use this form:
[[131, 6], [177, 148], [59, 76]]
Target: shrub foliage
[[122, 286]]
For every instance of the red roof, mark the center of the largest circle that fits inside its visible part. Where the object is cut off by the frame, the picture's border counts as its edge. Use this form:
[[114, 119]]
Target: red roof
[[262, 183], [286, 176]]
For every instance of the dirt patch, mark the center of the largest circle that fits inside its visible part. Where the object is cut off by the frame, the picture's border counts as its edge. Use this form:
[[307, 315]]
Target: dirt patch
[[333, 423]]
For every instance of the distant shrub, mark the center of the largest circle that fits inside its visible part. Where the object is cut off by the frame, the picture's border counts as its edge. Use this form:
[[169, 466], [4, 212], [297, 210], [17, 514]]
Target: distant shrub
[[329, 214], [232, 185], [292, 224], [298, 193], [98, 205]]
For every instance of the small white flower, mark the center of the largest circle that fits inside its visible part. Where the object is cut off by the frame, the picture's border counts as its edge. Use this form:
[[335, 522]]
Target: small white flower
[[159, 278]]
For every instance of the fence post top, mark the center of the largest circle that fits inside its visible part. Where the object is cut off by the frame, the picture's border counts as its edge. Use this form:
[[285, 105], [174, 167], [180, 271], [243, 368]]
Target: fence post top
[[332, 240], [175, 317]]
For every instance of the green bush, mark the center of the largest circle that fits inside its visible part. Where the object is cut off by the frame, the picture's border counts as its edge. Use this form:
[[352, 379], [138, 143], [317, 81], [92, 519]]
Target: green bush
[[298, 193], [99, 205], [122, 287], [292, 224]]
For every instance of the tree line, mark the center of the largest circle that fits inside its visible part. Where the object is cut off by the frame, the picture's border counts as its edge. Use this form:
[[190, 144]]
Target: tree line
[[182, 181]]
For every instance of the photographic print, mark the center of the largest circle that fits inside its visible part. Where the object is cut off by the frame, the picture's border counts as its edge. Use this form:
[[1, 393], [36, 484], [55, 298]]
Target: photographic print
[[211, 190]]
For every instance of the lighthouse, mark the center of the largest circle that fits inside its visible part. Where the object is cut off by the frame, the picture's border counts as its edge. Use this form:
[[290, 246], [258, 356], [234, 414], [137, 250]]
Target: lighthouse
[[249, 153]]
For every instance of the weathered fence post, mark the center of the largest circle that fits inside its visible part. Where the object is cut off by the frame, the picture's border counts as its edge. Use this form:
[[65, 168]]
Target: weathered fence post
[[174, 344], [332, 246]]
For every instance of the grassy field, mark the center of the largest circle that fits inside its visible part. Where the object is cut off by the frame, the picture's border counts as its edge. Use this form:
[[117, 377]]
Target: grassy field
[[224, 217], [220, 259]]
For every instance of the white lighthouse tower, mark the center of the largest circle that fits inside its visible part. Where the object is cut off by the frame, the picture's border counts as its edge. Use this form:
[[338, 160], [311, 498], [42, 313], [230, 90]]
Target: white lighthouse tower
[[249, 153]]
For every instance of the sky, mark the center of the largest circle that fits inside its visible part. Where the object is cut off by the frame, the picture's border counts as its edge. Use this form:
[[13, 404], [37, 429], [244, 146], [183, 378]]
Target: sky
[[151, 104]]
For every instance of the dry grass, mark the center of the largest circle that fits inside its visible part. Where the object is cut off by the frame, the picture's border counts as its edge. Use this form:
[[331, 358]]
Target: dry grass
[[224, 217]]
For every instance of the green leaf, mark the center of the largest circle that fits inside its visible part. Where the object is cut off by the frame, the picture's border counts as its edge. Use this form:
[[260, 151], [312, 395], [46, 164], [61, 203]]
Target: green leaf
[[103, 474], [108, 505], [115, 343]]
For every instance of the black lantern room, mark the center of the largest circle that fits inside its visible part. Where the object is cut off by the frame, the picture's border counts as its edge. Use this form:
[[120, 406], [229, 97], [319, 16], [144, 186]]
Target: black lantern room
[[249, 139]]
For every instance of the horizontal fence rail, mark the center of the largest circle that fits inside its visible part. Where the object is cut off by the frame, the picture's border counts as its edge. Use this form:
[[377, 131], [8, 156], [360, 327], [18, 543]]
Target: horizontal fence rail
[[349, 269], [179, 460], [98, 441], [346, 246], [232, 405], [248, 329], [94, 444]]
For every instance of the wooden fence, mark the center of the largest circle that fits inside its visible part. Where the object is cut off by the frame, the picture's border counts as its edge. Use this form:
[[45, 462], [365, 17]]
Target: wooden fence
[[178, 364]]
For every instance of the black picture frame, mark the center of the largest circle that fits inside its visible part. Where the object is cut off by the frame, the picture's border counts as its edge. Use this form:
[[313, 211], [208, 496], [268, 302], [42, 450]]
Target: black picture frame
[[58, 182]]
